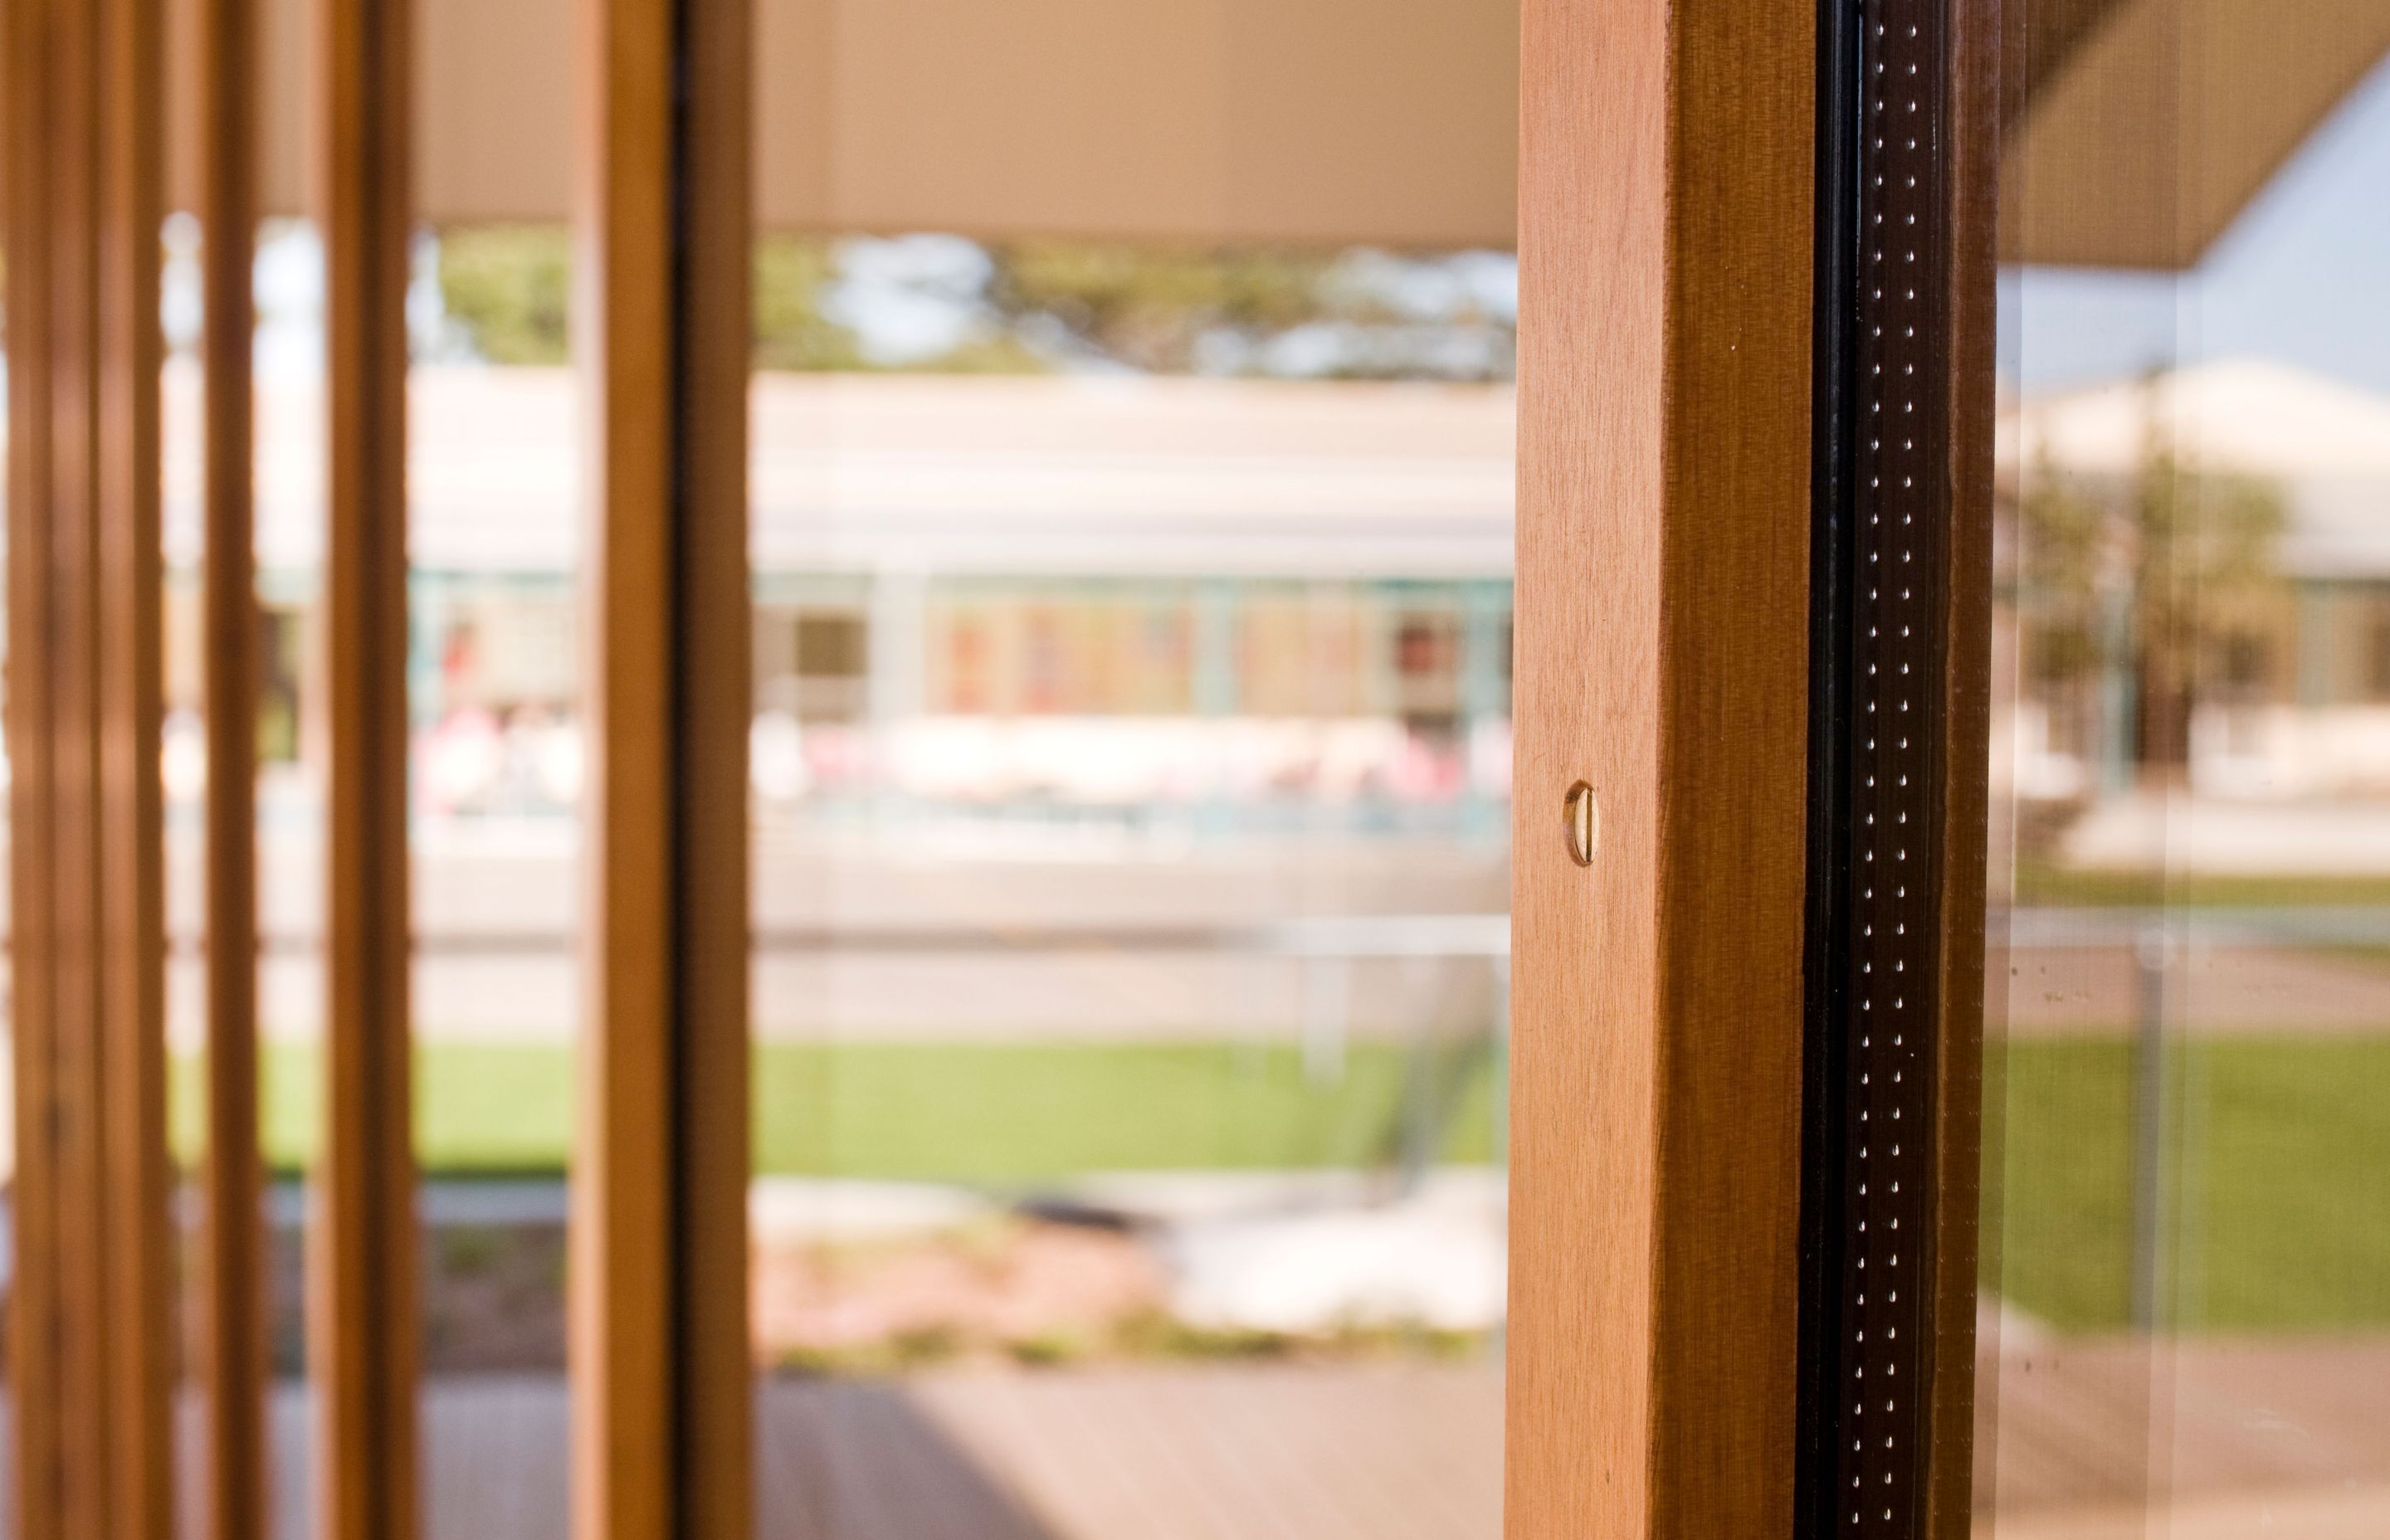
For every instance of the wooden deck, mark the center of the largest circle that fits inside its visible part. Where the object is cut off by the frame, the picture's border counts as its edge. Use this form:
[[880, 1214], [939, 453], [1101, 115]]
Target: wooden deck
[[2118, 1438], [1240, 1452], [2098, 1439]]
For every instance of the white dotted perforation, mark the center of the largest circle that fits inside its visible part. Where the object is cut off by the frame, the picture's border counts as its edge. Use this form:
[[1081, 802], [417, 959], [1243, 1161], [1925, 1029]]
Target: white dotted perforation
[[1893, 477]]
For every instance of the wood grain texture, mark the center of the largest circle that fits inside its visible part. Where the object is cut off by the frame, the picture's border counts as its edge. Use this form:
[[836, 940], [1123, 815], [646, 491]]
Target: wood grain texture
[[1973, 101], [138, 1278], [363, 1330], [91, 1334], [716, 661], [38, 1362], [662, 1407], [1664, 546], [232, 1332]]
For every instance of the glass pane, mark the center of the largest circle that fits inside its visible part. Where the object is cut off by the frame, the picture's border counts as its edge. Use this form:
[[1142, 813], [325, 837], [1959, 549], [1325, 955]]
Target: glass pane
[[1130, 782], [2187, 1282], [494, 679]]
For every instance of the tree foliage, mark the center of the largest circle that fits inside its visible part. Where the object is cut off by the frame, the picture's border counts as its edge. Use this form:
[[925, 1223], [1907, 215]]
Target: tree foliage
[[791, 331], [1151, 308], [2165, 574], [1039, 305], [508, 288]]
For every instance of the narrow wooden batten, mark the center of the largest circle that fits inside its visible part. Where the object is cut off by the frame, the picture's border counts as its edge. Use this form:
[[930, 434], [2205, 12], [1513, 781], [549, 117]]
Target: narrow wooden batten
[[362, 1331], [660, 1379], [90, 1344], [232, 1353]]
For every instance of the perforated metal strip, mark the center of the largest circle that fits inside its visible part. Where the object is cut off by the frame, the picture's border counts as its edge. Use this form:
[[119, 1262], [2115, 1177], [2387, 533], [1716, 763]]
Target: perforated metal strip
[[1880, 661]]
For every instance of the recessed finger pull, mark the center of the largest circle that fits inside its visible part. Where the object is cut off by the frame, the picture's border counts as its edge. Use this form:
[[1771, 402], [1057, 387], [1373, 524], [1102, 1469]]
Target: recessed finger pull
[[1584, 823]]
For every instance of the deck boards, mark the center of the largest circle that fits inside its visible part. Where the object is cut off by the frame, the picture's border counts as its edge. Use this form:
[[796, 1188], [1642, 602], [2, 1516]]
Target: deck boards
[[2297, 1429], [1195, 1452]]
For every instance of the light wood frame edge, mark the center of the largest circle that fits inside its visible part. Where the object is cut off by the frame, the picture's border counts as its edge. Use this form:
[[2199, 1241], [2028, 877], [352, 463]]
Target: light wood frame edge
[[661, 1364], [1666, 324], [364, 1249]]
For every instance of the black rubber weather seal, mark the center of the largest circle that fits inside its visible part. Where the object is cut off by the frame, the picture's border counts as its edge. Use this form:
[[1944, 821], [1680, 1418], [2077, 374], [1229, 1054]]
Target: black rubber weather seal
[[1877, 725]]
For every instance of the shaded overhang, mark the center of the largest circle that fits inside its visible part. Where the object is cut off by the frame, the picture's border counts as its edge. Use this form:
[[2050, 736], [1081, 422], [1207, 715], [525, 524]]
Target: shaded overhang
[[2145, 127], [1307, 123], [2139, 130]]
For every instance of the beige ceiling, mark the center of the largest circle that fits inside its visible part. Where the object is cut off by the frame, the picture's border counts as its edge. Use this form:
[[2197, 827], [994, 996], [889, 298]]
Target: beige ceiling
[[2144, 128], [1300, 122]]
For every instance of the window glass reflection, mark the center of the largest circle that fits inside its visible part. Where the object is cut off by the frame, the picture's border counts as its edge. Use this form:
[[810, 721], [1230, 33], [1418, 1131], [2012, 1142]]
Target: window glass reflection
[[2187, 1281]]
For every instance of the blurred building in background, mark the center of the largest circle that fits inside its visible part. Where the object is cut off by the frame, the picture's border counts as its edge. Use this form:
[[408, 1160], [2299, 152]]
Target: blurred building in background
[[1072, 599], [2198, 577]]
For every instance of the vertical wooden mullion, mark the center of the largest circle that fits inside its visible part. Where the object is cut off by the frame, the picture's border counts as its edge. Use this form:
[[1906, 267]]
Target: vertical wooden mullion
[[362, 1323], [659, 1338], [232, 1336], [37, 1366], [1666, 310], [74, 1118], [129, 699], [715, 661], [91, 1330]]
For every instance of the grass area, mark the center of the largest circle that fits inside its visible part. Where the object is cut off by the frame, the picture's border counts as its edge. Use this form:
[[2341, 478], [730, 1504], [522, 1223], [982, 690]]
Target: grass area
[[2042, 882], [2280, 1146], [2278, 1161], [993, 1114]]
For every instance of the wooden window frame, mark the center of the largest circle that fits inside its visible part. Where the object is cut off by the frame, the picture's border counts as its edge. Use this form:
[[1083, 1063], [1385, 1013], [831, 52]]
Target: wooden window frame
[[1664, 1161], [661, 1380]]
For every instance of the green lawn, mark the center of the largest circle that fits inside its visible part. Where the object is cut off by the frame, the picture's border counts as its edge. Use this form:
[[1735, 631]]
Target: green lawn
[[2279, 1156], [2281, 1144], [2278, 1148], [996, 1114]]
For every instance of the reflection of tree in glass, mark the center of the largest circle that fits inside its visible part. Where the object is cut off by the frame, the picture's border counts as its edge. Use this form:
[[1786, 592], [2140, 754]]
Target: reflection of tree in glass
[[2162, 587], [1151, 308], [507, 289]]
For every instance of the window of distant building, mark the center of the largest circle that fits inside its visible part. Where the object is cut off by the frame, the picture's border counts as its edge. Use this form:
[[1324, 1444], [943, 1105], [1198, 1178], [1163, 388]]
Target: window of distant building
[[2377, 653]]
